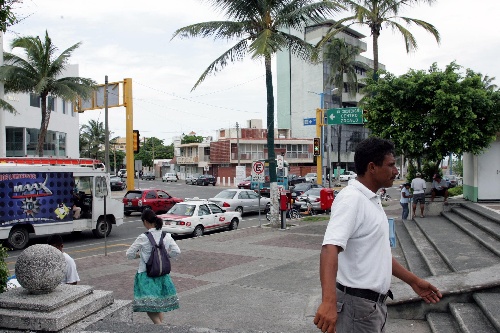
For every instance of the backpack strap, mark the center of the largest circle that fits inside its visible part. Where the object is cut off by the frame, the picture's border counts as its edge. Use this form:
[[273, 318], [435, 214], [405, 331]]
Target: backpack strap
[[151, 238]]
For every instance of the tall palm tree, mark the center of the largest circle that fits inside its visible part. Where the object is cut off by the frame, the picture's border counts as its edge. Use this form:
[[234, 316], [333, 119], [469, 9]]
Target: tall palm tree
[[378, 13], [39, 73], [92, 136], [259, 28], [341, 59]]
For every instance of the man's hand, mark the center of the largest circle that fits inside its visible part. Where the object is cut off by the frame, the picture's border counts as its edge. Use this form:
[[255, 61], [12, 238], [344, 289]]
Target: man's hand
[[326, 317], [427, 291]]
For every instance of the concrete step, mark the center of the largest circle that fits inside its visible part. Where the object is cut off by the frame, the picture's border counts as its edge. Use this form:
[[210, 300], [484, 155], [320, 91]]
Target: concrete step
[[442, 323], [479, 220], [413, 260], [490, 305], [471, 319], [459, 250], [486, 237], [427, 250], [492, 215]]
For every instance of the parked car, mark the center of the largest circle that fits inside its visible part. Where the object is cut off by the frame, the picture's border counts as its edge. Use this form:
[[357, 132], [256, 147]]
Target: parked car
[[242, 201], [311, 177], [313, 195], [246, 183], [294, 180], [169, 177], [117, 184], [191, 180], [206, 180], [348, 175], [156, 200], [148, 176], [301, 188], [122, 173], [451, 180], [197, 217]]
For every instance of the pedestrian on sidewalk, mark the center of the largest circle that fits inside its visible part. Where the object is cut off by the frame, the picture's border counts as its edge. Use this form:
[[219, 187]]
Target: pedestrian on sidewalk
[[153, 295], [356, 261], [418, 185], [405, 199], [71, 275]]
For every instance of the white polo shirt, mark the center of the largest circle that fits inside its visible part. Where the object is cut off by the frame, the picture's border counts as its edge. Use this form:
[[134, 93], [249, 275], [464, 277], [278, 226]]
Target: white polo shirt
[[359, 225], [418, 185]]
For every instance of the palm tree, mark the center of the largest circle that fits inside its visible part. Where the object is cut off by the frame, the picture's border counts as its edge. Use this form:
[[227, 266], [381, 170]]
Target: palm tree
[[92, 136], [259, 27], [341, 58], [378, 13], [39, 73]]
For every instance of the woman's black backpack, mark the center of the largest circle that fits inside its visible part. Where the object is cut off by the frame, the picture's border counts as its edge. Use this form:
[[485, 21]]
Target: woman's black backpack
[[158, 263]]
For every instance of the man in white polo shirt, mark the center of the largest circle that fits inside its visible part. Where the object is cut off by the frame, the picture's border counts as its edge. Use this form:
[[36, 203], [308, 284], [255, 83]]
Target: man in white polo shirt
[[356, 262], [418, 185]]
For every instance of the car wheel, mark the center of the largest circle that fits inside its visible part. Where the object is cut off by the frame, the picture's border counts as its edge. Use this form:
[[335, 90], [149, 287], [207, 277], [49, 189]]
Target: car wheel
[[234, 224], [163, 180], [146, 207], [102, 228], [18, 238], [127, 213], [206, 184], [239, 210], [198, 231]]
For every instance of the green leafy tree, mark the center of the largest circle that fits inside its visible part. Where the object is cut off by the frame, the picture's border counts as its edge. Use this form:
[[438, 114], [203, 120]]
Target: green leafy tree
[[430, 114], [39, 72], [4, 270], [191, 139], [153, 148], [92, 138], [379, 13], [260, 30]]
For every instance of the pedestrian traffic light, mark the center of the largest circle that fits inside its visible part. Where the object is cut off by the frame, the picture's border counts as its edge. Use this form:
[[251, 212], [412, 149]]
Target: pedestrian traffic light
[[317, 147], [137, 141]]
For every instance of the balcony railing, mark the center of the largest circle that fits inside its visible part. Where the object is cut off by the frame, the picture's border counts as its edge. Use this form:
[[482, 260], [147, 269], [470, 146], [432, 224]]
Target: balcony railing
[[187, 159], [290, 157]]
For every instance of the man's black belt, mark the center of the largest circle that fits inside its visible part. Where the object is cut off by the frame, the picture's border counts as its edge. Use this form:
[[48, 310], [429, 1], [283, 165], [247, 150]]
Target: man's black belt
[[365, 293]]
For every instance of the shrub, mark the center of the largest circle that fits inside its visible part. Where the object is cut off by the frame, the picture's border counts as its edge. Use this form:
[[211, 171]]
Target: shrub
[[454, 191], [4, 271]]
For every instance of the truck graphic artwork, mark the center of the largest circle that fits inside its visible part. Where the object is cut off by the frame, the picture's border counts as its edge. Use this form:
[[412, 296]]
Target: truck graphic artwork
[[37, 197]]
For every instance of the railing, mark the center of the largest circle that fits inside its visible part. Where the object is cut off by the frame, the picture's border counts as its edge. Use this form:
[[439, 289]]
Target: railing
[[187, 159]]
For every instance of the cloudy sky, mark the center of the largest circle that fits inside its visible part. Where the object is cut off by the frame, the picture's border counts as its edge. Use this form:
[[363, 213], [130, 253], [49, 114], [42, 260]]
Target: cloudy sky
[[132, 39]]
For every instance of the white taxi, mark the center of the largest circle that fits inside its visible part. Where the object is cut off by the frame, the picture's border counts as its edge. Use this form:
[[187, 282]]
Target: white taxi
[[197, 217]]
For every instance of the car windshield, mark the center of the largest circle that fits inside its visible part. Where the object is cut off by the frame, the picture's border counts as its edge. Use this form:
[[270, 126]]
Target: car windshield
[[133, 195], [115, 179], [301, 187], [311, 175], [226, 195], [182, 209], [313, 191]]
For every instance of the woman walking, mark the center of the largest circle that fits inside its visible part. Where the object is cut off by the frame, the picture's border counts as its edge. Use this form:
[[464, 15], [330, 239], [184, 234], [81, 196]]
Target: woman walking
[[153, 295]]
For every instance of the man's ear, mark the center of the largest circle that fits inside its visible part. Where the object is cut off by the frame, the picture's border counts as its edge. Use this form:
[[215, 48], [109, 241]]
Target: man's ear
[[370, 167]]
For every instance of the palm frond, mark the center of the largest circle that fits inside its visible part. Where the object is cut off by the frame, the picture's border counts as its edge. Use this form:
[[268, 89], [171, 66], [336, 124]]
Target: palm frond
[[410, 41], [217, 29], [4, 105], [425, 25]]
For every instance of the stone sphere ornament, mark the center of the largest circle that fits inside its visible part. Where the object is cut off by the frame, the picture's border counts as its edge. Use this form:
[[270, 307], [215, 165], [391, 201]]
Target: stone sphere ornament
[[40, 268]]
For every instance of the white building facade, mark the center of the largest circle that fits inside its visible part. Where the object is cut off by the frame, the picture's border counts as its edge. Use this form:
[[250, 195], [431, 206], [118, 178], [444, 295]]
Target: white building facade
[[19, 132]]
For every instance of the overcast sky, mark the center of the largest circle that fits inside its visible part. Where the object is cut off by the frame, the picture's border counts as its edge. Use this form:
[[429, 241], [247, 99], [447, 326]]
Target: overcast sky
[[131, 39]]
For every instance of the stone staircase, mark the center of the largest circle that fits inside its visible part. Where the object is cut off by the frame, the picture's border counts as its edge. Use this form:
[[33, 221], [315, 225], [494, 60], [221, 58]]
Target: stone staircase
[[457, 250]]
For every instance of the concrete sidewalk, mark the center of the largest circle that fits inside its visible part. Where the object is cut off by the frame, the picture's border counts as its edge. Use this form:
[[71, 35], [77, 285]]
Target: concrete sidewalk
[[249, 280]]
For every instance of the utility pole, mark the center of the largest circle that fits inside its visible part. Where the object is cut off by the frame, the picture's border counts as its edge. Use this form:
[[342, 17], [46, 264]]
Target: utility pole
[[106, 127], [238, 141]]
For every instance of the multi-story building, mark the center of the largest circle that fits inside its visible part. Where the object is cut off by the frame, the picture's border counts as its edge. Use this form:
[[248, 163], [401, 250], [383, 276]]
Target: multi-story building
[[19, 131], [303, 85]]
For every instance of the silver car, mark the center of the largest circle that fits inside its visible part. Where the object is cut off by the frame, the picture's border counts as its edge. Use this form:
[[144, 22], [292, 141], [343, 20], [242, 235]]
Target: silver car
[[240, 200]]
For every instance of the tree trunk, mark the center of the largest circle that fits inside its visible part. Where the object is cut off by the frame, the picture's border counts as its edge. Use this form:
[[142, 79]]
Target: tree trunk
[[44, 123], [273, 187], [339, 141], [375, 35]]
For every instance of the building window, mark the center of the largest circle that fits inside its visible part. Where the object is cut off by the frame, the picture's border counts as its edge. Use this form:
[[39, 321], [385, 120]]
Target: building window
[[64, 107], [34, 100], [51, 103], [72, 108], [14, 141]]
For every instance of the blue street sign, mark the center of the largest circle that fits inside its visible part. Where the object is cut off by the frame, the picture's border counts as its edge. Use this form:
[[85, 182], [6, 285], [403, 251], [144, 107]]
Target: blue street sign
[[309, 121]]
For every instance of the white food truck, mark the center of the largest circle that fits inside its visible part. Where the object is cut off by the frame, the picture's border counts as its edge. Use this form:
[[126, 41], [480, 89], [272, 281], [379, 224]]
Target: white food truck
[[37, 196]]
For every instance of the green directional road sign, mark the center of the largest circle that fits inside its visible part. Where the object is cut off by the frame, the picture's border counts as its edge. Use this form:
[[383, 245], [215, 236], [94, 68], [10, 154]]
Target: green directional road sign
[[339, 116]]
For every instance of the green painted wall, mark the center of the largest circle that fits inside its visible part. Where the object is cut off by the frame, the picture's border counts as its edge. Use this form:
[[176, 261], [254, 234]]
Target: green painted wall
[[470, 193]]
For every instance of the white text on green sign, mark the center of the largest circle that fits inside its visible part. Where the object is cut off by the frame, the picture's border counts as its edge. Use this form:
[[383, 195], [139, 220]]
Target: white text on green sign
[[339, 116]]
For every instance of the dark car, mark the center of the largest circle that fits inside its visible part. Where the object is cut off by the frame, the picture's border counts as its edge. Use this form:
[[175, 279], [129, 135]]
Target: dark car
[[294, 180], [206, 180], [156, 200], [148, 176], [117, 184], [301, 188]]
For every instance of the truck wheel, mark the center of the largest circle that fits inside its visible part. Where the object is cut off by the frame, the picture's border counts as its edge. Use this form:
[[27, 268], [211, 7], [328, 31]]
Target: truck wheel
[[101, 228], [18, 238]]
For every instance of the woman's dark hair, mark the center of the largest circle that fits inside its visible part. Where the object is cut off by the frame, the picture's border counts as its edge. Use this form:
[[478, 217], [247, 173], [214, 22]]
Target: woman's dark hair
[[150, 216], [371, 150]]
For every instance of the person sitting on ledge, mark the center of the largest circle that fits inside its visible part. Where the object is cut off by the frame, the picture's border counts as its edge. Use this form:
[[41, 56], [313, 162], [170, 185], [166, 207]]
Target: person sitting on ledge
[[439, 188]]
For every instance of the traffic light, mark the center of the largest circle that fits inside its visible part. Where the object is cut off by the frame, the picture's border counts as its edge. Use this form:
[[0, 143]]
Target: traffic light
[[317, 147], [137, 141]]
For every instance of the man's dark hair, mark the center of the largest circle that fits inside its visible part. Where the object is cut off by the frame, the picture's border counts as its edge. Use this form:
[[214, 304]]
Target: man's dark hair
[[55, 240], [371, 150]]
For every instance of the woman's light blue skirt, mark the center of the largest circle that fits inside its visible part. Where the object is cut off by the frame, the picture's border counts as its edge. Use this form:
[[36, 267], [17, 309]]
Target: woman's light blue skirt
[[154, 294]]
